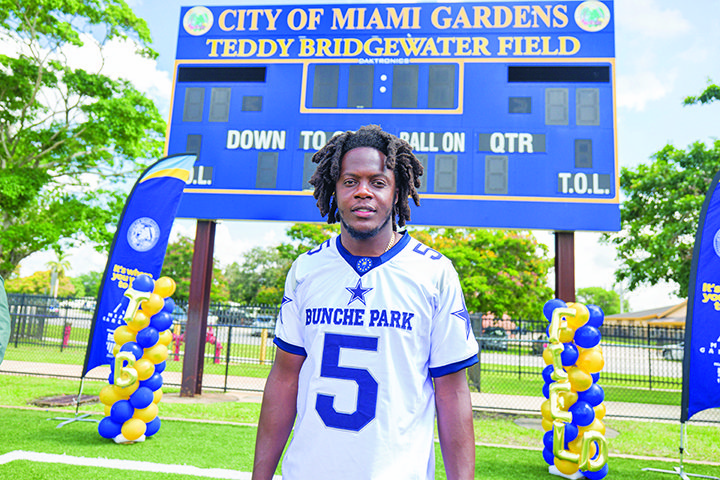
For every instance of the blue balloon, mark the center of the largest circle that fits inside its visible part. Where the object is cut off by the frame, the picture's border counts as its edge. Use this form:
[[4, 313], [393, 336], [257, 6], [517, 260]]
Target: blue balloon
[[548, 456], [161, 321], [548, 439], [571, 433], [155, 382], [551, 305], [109, 429], [594, 395], [546, 390], [143, 283], [133, 348], [569, 354], [587, 336], [547, 371], [121, 411], [141, 398], [582, 414], [147, 337], [597, 316], [602, 473], [169, 305], [152, 427], [595, 376], [160, 367]]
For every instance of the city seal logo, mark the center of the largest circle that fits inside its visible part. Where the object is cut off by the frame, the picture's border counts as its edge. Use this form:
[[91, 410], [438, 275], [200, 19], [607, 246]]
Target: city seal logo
[[716, 243], [198, 21], [592, 16], [143, 234]]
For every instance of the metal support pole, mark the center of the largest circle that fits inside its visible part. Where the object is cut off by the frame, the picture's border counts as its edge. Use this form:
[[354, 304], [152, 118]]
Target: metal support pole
[[565, 266], [199, 301]]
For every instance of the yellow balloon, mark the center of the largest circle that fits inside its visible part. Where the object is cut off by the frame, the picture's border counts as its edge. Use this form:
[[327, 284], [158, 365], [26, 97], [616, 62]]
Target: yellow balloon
[[576, 446], [566, 467], [139, 321], [545, 410], [116, 350], [146, 414], [152, 305], [547, 425], [164, 286], [145, 368], [547, 356], [590, 360], [157, 396], [108, 410], [108, 395], [579, 379], [599, 411], [596, 426], [566, 335], [133, 429], [123, 334], [567, 399], [582, 315], [165, 338], [156, 354], [125, 392]]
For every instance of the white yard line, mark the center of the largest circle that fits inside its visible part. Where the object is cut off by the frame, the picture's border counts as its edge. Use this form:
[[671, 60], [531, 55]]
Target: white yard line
[[133, 465]]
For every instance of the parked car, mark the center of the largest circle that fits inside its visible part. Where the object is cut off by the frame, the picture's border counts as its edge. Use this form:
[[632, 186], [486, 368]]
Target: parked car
[[232, 315], [494, 338], [674, 352], [261, 322]]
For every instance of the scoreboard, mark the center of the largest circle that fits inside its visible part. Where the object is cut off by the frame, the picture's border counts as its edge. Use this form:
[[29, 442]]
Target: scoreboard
[[510, 106]]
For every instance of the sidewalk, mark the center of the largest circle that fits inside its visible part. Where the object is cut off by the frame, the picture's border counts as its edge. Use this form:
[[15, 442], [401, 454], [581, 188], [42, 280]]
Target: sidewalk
[[248, 389]]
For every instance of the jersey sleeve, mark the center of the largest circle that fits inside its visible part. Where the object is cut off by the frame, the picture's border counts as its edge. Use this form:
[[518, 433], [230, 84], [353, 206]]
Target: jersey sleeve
[[289, 331], [453, 345]]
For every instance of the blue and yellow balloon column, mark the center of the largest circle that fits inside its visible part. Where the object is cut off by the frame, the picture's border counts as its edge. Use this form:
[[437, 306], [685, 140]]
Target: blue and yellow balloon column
[[141, 347], [574, 441]]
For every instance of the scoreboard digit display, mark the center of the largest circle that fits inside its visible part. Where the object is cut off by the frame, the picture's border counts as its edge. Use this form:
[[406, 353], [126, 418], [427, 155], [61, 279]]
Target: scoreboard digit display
[[510, 106]]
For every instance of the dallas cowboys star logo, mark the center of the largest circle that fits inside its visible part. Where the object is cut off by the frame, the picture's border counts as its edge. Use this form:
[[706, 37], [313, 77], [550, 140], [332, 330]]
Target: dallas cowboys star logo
[[464, 315], [358, 293]]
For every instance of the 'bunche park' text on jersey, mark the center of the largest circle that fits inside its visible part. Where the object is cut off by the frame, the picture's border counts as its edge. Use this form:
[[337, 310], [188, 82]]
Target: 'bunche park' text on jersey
[[374, 330]]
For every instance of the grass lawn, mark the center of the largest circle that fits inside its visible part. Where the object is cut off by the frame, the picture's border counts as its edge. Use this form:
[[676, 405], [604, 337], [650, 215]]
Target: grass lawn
[[506, 451]]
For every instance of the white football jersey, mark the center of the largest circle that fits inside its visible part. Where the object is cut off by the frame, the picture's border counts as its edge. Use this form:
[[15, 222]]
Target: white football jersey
[[374, 331]]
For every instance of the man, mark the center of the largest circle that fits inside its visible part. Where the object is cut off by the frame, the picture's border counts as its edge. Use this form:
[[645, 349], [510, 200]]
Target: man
[[4, 320], [369, 319]]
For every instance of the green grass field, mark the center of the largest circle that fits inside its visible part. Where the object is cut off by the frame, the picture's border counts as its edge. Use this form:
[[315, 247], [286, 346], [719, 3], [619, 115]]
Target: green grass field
[[505, 450]]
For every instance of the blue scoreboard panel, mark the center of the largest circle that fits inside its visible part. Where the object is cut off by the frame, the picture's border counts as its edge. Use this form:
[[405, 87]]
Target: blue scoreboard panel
[[509, 105]]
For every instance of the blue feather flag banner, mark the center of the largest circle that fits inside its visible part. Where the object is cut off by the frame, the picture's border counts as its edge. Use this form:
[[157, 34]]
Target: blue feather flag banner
[[138, 248], [701, 363]]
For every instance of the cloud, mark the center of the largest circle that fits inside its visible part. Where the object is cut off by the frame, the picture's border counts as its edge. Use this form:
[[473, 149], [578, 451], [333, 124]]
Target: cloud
[[636, 90], [646, 18]]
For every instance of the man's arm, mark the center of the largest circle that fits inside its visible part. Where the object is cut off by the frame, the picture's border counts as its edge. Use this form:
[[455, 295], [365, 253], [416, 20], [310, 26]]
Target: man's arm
[[4, 320], [455, 425], [277, 413]]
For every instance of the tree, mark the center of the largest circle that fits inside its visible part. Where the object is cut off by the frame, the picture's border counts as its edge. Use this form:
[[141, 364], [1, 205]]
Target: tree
[[661, 213], [178, 266], [88, 284], [500, 271], [608, 300], [39, 284], [66, 133], [57, 270]]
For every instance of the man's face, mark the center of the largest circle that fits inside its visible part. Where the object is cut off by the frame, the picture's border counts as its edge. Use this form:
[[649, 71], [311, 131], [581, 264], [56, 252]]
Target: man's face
[[365, 193]]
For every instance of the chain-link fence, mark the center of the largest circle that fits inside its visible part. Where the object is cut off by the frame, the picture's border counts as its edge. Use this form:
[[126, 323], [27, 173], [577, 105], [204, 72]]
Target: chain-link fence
[[641, 377]]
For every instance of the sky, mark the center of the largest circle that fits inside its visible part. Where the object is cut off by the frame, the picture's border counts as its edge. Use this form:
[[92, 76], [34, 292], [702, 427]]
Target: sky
[[665, 51]]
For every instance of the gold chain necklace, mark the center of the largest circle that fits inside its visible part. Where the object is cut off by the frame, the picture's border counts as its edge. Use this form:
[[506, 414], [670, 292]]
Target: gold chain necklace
[[390, 243]]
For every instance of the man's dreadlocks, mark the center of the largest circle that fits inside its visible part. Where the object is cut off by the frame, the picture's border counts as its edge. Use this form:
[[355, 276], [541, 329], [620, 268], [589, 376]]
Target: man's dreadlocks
[[398, 158]]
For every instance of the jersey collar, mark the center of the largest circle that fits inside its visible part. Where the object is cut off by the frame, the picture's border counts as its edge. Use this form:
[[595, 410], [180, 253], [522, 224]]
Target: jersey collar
[[362, 265]]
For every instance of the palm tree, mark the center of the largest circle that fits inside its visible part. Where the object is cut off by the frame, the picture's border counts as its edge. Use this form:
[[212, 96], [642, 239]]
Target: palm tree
[[57, 270]]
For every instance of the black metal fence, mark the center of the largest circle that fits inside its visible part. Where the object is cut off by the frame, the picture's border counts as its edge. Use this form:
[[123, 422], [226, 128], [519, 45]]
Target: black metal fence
[[641, 377]]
